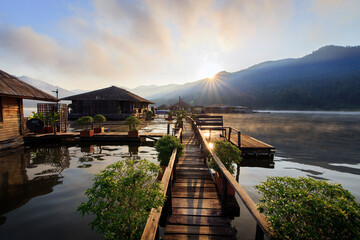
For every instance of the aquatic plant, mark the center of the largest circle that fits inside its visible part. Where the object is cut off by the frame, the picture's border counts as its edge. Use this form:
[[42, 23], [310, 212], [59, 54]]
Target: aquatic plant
[[121, 198], [305, 208], [228, 154], [165, 146]]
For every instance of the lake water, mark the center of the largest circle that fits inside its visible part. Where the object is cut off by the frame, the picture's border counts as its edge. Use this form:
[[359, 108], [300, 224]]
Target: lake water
[[322, 145], [40, 188]]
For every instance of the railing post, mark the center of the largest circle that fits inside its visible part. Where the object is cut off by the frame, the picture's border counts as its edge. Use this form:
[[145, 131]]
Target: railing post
[[169, 199], [224, 195], [229, 134], [259, 235], [239, 139], [168, 129]]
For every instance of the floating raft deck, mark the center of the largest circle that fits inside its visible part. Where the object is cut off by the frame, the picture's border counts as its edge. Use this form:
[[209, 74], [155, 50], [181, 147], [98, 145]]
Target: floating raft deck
[[98, 137], [196, 208]]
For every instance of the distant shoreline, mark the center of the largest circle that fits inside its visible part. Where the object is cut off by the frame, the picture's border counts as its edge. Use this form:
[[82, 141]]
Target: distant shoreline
[[309, 112]]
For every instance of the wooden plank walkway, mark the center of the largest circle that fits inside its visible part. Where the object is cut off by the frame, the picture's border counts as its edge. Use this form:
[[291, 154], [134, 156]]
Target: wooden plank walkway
[[196, 209]]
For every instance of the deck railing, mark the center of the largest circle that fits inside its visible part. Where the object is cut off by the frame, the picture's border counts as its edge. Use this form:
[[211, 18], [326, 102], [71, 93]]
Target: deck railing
[[151, 230], [262, 225]]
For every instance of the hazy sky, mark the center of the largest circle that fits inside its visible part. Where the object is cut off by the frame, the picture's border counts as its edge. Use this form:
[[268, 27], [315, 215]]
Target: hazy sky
[[95, 44]]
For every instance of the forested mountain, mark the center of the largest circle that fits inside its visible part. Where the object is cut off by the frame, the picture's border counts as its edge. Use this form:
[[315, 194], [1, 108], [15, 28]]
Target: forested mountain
[[328, 78]]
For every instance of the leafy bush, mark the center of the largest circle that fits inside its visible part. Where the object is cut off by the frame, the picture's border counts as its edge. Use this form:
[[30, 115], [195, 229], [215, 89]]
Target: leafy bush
[[305, 208], [165, 146], [121, 198], [228, 154], [99, 118], [132, 122], [193, 117], [35, 115], [85, 120]]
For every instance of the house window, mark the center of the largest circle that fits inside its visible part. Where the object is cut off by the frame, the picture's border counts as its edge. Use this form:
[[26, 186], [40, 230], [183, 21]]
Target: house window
[[1, 109]]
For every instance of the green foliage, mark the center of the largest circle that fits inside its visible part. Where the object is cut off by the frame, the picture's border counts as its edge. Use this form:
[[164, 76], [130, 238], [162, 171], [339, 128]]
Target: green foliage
[[193, 117], [305, 208], [119, 109], [85, 120], [132, 122], [228, 154], [165, 147], [99, 118], [170, 114], [121, 198], [35, 115]]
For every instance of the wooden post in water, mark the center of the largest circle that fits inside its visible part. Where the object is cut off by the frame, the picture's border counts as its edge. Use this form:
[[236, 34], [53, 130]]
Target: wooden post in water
[[229, 134], [239, 140]]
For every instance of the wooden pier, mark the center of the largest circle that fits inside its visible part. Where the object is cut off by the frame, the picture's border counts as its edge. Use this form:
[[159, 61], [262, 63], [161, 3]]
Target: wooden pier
[[196, 209], [98, 137]]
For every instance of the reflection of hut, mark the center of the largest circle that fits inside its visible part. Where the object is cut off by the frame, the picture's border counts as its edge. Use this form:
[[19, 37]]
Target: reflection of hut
[[220, 108], [163, 107], [181, 106], [112, 102], [12, 93]]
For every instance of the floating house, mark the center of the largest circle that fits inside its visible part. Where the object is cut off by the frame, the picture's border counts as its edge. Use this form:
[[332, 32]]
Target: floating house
[[113, 102], [181, 106], [12, 93]]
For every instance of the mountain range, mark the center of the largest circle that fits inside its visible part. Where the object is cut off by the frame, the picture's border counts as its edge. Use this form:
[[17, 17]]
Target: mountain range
[[326, 79]]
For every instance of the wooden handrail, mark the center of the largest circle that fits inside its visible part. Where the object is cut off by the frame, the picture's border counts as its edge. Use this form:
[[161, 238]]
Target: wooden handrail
[[152, 223], [248, 202]]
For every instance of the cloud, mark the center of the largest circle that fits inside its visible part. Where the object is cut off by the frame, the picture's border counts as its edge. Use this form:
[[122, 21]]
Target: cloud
[[137, 42]]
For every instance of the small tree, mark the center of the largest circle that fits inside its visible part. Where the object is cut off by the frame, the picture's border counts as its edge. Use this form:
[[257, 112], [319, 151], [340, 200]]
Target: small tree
[[193, 117], [228, 154], [52, 119], [85, 120], [121, 198], [98, 118], [170, 114], [305, 208], [165, 146], [133, 122]]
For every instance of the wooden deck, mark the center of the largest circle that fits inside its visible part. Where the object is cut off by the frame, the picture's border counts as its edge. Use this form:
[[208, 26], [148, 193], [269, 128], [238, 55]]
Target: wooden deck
[[196, 209], [71, 136]]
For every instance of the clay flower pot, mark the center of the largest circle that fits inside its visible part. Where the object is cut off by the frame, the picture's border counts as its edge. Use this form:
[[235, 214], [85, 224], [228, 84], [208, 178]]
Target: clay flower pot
[[87, 133], [133, 134], [99, 130]]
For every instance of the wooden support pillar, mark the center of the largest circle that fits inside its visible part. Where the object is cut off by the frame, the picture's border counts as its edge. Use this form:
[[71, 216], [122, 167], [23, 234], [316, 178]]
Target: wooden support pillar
[[168, 129], [224, 196], [259, 235], [229, 134], [239, 140]]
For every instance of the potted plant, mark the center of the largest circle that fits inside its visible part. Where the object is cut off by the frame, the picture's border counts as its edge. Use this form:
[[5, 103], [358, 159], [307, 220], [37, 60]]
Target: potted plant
[[228, 154], [179, 121], [165, 146], [170, 116], [52, 119], [149, 115], [86, 120], [193, 117], [133, 122], [39, 116], [98, 118]]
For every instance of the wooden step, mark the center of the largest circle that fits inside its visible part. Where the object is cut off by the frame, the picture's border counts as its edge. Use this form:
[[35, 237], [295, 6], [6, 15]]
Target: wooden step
[[193, 189], [196, 194], [193, 184], [197, 212], [198, 220], [198, 230], [195, 237], [194, 181], [195, 203]]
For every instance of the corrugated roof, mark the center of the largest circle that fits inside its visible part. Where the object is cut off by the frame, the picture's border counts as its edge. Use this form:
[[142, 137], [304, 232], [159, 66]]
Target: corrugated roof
[[110, 93], [13, 87]]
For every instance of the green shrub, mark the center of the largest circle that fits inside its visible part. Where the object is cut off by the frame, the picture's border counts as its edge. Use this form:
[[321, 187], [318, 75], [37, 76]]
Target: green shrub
[[85, 120], [165, 147], [132, 122], [228, 154], [121, 198], [193, 117], [99, 118], [305, 208]]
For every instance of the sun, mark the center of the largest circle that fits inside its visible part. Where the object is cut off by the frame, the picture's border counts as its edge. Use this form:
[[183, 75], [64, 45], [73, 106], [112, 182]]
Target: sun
[[208, 69]]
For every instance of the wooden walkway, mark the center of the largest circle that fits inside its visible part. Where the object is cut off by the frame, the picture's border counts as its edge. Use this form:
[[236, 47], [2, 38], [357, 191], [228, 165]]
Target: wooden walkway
[[196, 209]]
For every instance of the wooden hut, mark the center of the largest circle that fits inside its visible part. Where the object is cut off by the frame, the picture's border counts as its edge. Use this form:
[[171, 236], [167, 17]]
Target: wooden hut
[[12, 93], [181, 106], [112, 102]]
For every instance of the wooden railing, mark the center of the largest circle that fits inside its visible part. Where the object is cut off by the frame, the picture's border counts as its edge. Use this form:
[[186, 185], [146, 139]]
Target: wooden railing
[[262, 225], [151, 230]]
